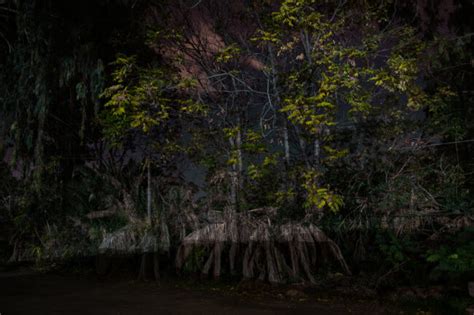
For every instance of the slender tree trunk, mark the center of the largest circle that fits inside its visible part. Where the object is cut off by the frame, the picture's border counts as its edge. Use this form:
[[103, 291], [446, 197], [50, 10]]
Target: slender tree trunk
[[308, 48], [156, 266], [234, 180], [286, 141], [317, 152], [148, 192], [238, 142], [302, 144], [142, 274]]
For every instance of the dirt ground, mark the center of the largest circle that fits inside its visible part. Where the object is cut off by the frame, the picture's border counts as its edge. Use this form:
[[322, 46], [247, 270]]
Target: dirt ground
[[32, 293]]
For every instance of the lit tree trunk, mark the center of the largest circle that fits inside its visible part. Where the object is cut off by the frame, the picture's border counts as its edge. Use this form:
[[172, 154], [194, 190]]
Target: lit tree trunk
[[236, 147], [237, 167], [308, 48], [317, 152], [286, 141], [149, 257]]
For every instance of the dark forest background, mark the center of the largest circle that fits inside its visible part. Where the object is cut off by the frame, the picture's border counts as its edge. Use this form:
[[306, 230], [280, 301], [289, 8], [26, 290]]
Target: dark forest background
[[278, 140]]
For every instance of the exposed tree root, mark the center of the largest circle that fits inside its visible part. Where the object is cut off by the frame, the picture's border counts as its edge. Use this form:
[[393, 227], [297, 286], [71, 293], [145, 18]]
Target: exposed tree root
[[134, 239], [280, 253]]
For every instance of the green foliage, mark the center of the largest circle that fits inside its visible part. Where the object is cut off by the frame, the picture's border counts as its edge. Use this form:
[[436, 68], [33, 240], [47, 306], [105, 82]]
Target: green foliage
[[138, 96], [143, 99], [263, 184], [325, 71], [196, 260], [254, 144], [456, 258], [229, 53], [394, 249], [317, 197]]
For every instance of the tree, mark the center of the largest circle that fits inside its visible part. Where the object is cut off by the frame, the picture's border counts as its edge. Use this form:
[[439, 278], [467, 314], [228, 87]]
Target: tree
[[337, 67]]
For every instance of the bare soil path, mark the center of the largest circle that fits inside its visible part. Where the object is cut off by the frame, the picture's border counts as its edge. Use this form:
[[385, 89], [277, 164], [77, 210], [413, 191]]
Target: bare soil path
[[30, 293]]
